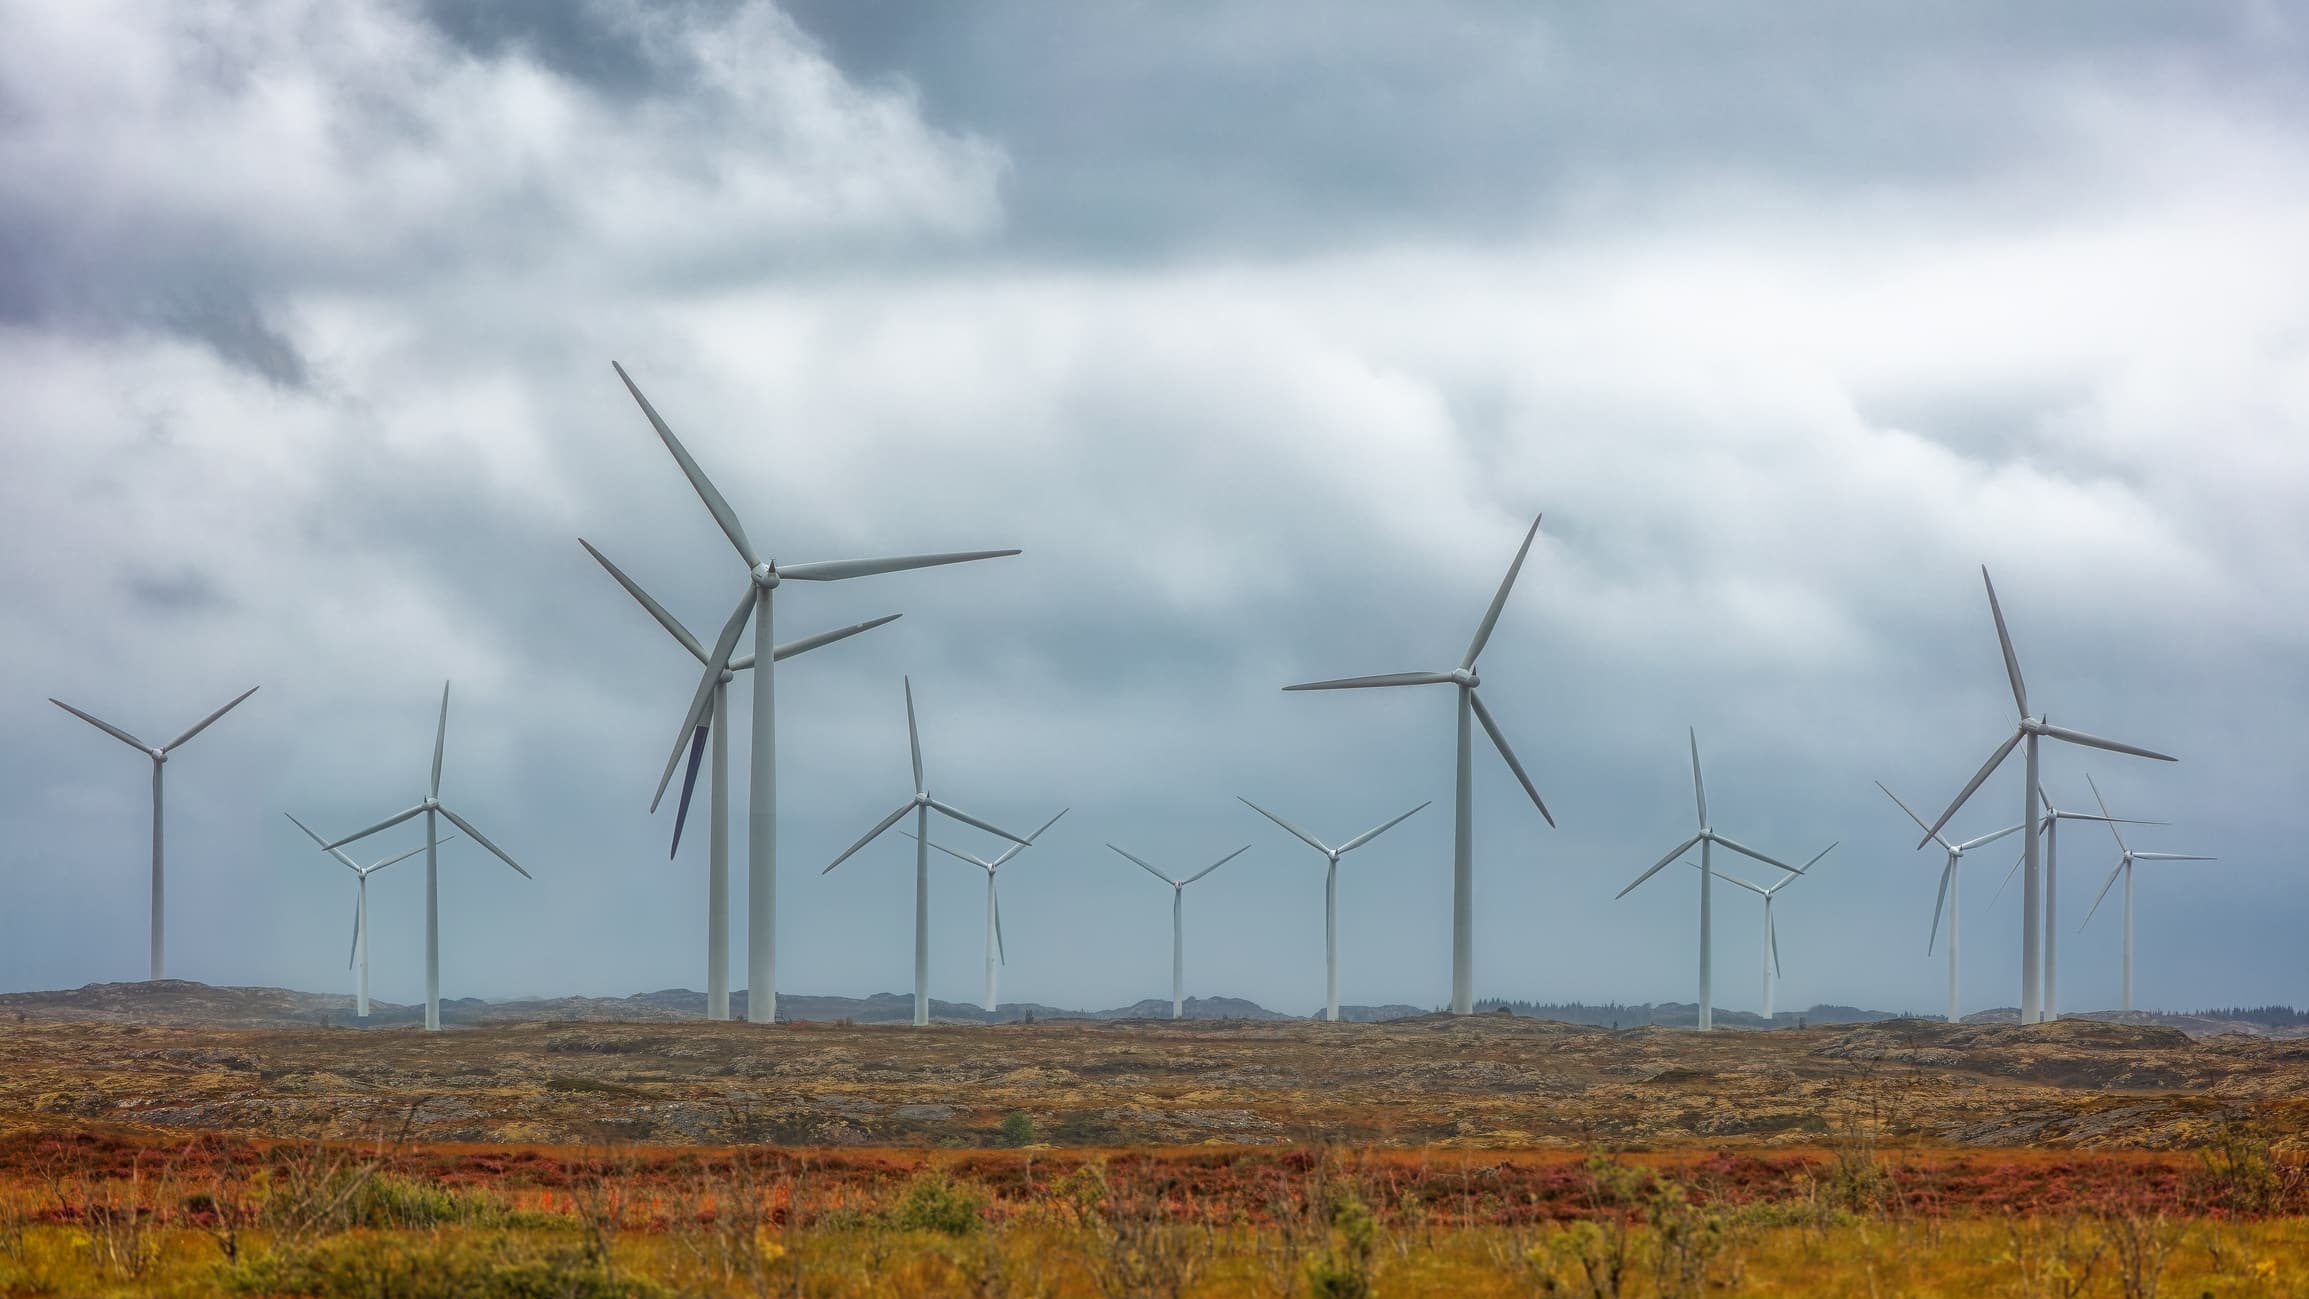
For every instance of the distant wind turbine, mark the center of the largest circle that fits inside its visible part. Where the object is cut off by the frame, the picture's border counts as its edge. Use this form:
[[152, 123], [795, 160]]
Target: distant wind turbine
[[2125, 868], [2048, 825], [2030, 729], [1949, 883], [361, 874], [1178, 930], [1706, 838], [159, 756], [718, 779], [922, 805], [1771, 934], [1463, 825], [1330, 892], [994, 951], [431, 809], [763, 577]]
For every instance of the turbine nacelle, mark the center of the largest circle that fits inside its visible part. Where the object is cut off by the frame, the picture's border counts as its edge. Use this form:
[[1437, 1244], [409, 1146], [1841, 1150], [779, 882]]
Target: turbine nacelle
[[765, 575], [1466, 678]]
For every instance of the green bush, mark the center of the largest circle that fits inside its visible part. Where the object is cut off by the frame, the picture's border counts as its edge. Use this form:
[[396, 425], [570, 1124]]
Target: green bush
[[934, 1202], [361, 1264], [1017, 1129]]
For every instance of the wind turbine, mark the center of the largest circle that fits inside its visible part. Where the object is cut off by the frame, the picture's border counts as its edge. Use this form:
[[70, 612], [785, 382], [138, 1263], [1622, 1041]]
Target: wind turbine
[[718, 778], [2031, 728], [1706, 839], [432, 810], [360, 952], [1771, 935], [2125, 868], [1330, 892], [2048, 825], [763, 577], [994, 950], [922, 805], [1178, 942], [159, 758], [1463, 826], [1948, 891]]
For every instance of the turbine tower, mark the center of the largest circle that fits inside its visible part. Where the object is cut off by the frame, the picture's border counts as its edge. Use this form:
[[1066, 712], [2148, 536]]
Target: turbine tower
[[1330, 893], [922, 805], [1948, 891], [1178, 941], [1706, 839], [159, 756], [1463, 826], [763, 577], [994, 952], [2030, 729], [360, 952], [718, 777], [432, 810], [2125, 868], [2048, 825], [1771, 935]]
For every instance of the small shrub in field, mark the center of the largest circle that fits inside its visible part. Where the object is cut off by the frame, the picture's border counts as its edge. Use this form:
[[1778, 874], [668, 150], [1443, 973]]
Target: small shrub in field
[[933, 1202], [1343, 1269], [2241, 1171], [1017, 1129], [360, 1264]]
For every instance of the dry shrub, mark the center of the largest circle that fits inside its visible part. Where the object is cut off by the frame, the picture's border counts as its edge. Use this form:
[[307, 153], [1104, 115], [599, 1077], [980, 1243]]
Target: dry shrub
[[2143, 1243], [1133, 1244]]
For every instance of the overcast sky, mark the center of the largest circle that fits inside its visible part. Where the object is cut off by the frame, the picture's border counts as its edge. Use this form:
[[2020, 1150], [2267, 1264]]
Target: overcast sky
[[1264, 330]]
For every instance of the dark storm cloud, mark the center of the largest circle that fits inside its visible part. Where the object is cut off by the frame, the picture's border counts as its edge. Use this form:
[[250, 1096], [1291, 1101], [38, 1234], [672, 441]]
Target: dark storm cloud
[[592, 41], [182, 590]]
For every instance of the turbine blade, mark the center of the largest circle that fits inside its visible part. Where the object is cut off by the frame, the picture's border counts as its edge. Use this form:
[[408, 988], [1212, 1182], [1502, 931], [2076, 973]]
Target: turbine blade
[[689, 781], [1000, 954], [1929, 833], [386, 824], [1214, 865], [1984, 840], [958, 856], [407, 855], [1745, 851], [203, 723], [808, 643], [1987, 769], [1772, 932], [1388, 679], [1814, 862], [1148, 869], [1946, 872], [2102, 894], [702, 700], [482, 839], [1368, 835], [337, 853], [2004, 638], [871, 835], [914, 736], [722, 512], [948, 809], [2171, 856], [2008, 878], [106, 727], [2110, 821], [1499, 601], [1699, 789], [1499, 741], [1733, 879], [440, 739], [835, 570], [1663, 863], [1017, 848], [360, 904], [656, 610], [2095, 741], [1303, 837]]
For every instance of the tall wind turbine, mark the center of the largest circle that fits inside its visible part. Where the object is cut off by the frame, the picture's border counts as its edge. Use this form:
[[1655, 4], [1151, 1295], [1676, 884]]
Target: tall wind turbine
[[1771, 935], [763, 577], [1178, 930], [2048, 825], [994, 952], [922, 805], [1330, 892], [2030, 729], [1948, 891], [159, 756], [360, 953], [2125, 868], [1463, 826], [1706, 839], [718, 778], [432, 810]]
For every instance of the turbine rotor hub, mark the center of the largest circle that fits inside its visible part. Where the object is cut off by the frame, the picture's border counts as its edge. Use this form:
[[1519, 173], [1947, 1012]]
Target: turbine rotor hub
[[766, 575], [430, 803], [158, 755], [1466, 677]]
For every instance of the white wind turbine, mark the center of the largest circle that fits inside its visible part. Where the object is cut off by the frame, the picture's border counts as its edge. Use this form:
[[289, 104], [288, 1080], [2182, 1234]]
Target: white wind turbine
[[2030, 729], [360, 953], [1771, 934], [159, 756], [432, 810], [762, 581], [994, 952], [1948, 891], [1706, 839], [2125, 868], [718, 777], [1463, 825], [1178, 928], [922, 805], [2048, 825], [1330, 892]]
